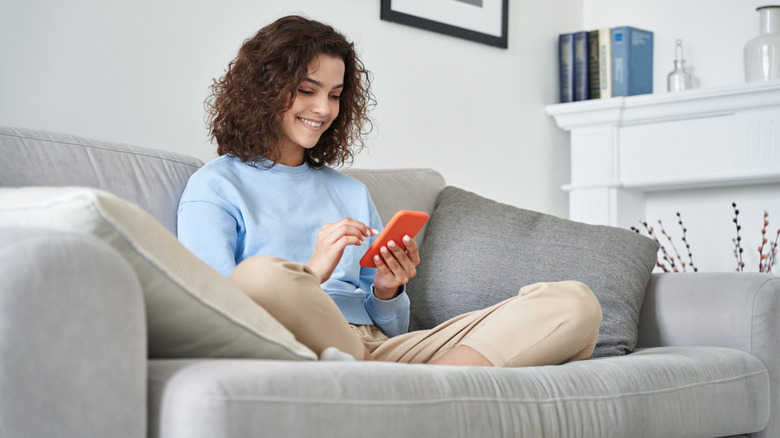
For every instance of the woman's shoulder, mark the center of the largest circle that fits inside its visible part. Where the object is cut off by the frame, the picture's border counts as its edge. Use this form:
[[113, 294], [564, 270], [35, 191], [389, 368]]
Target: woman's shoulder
[[219, 176], [343, 179], [222, 165], [223, 168]]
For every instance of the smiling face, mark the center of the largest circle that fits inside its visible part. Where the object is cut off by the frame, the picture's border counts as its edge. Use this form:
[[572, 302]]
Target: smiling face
[[315, 107]]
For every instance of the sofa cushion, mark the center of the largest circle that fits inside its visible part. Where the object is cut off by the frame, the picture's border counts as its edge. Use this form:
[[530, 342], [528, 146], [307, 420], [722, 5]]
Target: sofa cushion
[[191, 310], [661, 392], [478, 252]]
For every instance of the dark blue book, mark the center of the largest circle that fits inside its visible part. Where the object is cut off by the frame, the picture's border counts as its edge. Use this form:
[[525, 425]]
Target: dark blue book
[[632, 61], [566, 67], [581, 67]]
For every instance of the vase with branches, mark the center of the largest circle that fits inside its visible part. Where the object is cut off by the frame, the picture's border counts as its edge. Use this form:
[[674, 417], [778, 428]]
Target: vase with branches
[[670, 259]]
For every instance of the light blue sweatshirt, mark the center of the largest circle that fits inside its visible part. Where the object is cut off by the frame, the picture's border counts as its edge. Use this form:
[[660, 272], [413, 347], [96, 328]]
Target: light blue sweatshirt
[[231, 210]]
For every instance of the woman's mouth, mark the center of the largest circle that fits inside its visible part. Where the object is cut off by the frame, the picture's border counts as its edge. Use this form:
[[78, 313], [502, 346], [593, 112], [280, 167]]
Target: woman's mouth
[[312, 123]]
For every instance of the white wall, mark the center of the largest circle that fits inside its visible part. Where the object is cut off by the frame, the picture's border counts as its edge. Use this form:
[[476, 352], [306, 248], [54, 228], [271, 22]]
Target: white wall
[[138, 72]]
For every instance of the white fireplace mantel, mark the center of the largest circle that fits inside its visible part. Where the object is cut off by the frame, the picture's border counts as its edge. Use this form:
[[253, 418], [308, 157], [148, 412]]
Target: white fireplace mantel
[[624, 148]]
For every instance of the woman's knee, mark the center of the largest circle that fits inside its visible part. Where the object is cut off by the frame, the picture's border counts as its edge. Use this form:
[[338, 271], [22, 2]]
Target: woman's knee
[[265, 277], [573, 299], [583, 304], [292, 294], [290, 291]]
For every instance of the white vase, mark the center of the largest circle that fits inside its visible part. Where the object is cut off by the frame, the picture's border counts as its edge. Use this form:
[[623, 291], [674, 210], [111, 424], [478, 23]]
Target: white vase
[[762, 53]]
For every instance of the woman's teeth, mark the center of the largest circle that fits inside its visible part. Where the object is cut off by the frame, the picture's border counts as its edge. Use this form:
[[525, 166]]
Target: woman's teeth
[[311, 123]]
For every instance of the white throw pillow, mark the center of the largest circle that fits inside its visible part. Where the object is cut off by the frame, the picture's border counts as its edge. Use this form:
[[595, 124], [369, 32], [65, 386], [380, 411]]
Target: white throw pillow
[[191, 310]]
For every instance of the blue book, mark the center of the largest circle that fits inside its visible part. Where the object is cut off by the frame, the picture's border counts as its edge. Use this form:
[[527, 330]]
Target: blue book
[[632, 61], [566, 67], [581, 67]]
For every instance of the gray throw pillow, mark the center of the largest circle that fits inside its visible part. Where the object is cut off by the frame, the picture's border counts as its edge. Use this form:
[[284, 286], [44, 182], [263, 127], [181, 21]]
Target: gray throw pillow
[[478, 252]]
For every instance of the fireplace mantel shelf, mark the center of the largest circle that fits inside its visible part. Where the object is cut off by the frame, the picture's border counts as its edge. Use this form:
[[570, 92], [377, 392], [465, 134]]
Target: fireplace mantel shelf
[[623, 147], [657, 108]]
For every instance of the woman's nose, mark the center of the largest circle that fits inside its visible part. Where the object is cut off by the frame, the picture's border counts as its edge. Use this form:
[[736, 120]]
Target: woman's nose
[[321, 105]]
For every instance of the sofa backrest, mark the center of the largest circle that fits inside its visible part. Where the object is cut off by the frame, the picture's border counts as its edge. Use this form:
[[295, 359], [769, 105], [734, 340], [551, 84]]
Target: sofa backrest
[[149, 178], [401, 189], [155, 179]]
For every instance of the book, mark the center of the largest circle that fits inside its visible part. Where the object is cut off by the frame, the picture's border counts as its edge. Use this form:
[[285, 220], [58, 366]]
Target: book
[[593, 65], [605, 63], [566, 67], [632, 61], [581, 82]]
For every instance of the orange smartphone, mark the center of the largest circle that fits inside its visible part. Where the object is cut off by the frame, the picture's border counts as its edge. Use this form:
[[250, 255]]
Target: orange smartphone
[[403, 223]]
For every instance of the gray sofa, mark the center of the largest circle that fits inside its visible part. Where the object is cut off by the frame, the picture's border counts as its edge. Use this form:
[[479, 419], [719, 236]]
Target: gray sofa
[[75, 345]]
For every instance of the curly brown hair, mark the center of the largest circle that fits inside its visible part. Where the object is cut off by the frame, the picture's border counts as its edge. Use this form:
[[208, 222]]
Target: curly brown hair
[[247, 104]]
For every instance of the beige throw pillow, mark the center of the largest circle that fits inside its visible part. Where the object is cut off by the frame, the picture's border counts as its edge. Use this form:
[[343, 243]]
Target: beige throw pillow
[[191, 310]]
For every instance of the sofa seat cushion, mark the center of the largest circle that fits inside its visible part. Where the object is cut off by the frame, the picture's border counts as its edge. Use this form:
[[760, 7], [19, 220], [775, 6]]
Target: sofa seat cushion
[[478, 252], [660, 392], [191, 310]]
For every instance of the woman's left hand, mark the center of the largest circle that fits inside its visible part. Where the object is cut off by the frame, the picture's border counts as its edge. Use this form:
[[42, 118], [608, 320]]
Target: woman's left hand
[[395, 267]]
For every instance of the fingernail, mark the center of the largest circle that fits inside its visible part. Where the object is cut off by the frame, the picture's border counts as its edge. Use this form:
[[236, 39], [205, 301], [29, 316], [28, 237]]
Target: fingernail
[[374, 231], [407, 239], [391, 244]]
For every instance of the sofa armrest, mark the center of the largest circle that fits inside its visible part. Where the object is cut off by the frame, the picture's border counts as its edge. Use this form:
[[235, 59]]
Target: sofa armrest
[[738, 310], [72, 338]]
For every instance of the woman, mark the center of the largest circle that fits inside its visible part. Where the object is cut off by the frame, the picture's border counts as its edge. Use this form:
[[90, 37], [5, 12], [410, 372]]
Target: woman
[[274, 217]]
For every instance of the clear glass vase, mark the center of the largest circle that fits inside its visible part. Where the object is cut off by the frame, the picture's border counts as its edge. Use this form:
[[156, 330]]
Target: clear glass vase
[[762, 53], [678, 79]]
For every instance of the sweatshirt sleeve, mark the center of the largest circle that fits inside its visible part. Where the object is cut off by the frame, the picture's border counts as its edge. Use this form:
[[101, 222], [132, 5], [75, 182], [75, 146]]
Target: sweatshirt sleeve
[[392, 316], [209, 232], [207, 224]]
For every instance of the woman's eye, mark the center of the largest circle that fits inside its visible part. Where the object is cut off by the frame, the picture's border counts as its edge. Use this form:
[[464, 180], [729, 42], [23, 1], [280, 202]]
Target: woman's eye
[[305, 92], [336, 97]]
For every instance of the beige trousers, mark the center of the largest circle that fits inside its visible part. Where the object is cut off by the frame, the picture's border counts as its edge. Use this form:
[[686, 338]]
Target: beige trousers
[[545, 324]]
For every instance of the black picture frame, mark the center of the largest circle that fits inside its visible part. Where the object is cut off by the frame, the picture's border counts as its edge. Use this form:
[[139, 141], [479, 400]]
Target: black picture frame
[[389, 13]]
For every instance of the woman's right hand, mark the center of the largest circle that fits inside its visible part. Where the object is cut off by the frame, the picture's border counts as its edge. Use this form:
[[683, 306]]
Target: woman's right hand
[[332, 239]]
